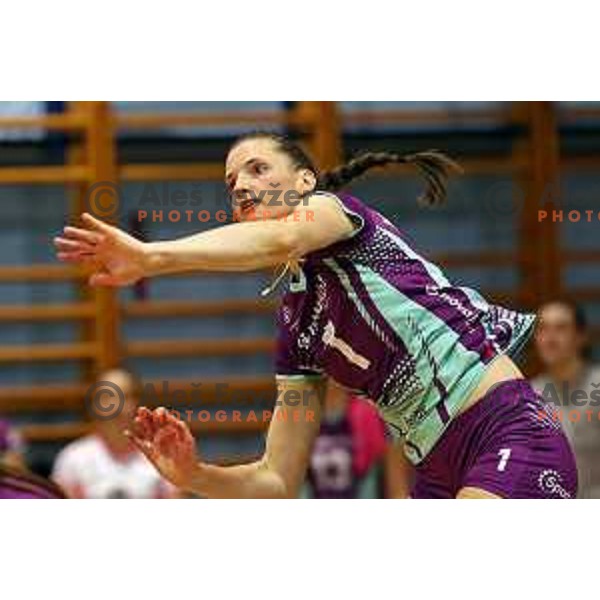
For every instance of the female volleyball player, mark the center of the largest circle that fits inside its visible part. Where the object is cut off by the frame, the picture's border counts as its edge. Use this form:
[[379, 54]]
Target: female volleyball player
[[363, 308]]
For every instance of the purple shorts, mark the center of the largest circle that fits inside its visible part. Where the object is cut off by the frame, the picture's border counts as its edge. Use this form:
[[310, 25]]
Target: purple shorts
[[510, 444]]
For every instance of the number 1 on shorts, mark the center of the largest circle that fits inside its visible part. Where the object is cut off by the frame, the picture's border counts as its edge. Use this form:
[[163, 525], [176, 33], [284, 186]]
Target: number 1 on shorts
[[504, 456]]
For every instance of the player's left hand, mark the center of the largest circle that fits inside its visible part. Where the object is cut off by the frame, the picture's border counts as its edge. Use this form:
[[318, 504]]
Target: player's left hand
[[167, 442]]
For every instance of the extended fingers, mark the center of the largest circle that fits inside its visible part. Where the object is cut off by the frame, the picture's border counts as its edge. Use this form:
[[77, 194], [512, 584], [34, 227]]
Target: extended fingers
[[162, 416], [83, 235], [167, 433], [95, 224], [142, 432], [77, 245], [66, 245], [167, 440], [77, 257], [147, 424], [144, 424], [183, 432]]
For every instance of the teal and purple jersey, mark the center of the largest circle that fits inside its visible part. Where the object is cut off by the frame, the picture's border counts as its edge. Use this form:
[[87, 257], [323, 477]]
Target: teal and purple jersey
[[384, 322]]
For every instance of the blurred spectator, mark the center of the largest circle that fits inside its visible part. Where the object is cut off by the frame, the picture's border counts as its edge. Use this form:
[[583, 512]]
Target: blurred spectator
[[11, 447], [352, 456], [105, 464], [572, 384]]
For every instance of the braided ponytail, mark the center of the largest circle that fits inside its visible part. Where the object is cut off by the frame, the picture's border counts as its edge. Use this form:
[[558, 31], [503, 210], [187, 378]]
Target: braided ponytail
[[433, 165]]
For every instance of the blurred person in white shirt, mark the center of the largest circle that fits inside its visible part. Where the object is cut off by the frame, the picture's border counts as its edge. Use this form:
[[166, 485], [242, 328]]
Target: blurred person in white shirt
[[571, 383], [105, 464]]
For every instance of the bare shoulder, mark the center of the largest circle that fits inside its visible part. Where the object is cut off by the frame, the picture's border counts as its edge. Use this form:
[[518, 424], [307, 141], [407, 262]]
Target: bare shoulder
[[329, 207]]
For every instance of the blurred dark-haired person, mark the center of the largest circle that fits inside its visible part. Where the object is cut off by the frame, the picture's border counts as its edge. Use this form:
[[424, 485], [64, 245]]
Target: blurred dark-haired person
[[105, 464], [353, 456], [11, 447], [572, 384]]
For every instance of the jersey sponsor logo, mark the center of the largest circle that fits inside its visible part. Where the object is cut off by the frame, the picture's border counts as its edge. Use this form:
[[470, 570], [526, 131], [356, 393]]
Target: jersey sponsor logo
[[467, 313], [286, 314], [550, 482], [330, 339], [305, 339], [502, 334]]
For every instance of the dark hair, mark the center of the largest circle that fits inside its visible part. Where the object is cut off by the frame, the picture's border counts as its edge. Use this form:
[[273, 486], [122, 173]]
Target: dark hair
[[579, 316], [433, 165]]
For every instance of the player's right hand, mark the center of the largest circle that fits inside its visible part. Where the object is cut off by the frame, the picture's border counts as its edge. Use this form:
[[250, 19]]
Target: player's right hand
[[117, 258]]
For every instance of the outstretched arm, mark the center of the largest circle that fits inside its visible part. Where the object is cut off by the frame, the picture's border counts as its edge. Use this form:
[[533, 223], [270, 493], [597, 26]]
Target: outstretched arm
[[169, 445], [120, 259]]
